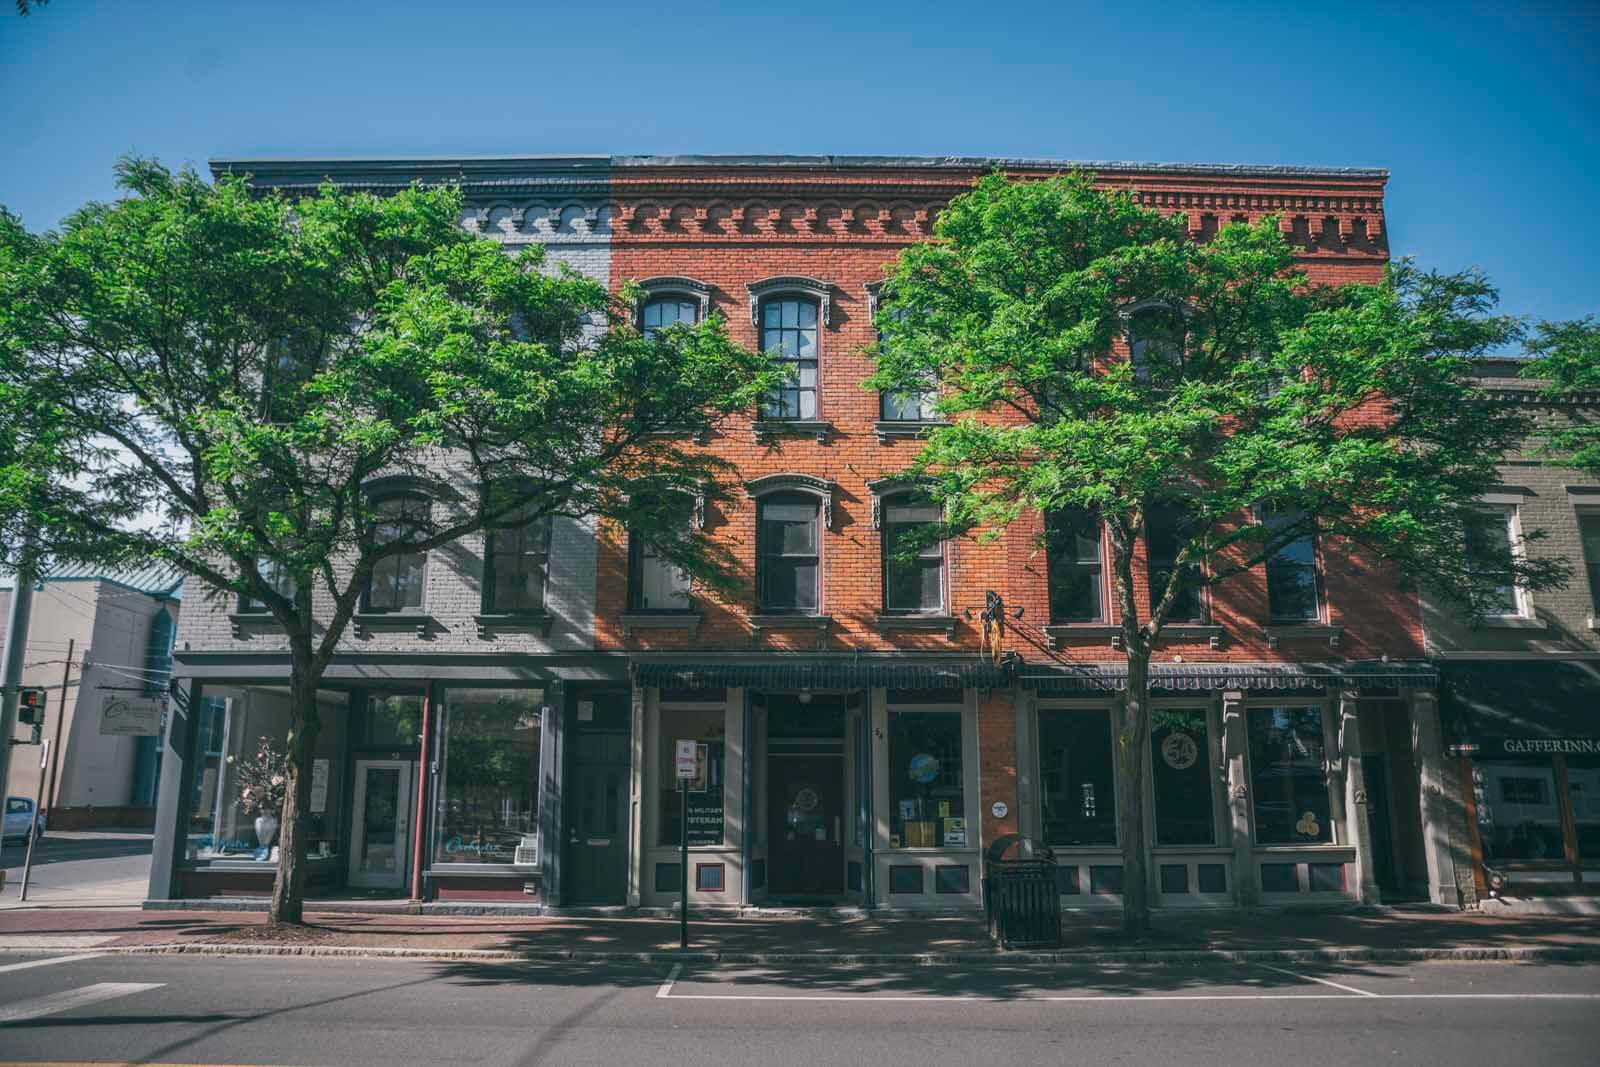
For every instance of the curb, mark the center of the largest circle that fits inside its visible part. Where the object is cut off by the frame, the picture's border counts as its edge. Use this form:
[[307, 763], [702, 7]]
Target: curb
[[1349, 954]]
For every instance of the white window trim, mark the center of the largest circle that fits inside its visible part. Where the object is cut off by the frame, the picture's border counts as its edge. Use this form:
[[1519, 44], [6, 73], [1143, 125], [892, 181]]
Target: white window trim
[[1510, 508]]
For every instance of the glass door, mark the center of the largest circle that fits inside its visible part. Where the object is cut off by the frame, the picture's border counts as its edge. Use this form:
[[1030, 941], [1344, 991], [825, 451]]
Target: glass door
[[379, 858]]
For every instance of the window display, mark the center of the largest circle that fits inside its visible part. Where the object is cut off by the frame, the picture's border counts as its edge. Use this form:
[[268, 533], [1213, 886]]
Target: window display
[[237, 799], [1288, 776], [1077, 778], [927, 803], [488, 801]]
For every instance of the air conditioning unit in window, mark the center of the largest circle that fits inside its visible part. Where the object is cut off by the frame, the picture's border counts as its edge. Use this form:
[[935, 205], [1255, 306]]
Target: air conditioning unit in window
[[527, 851]]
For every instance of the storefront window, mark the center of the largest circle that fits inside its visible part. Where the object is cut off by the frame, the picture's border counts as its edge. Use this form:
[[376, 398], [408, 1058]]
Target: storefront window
[[1288, 779], [488, 802], [1077, 778], [1583, 786], [237, 805], [1181, 769], [1519, 814], [927, 806], [706, 727]]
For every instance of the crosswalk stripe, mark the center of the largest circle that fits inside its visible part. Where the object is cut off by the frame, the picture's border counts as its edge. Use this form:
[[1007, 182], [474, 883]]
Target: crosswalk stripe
[[28, 965], [54, 1003]]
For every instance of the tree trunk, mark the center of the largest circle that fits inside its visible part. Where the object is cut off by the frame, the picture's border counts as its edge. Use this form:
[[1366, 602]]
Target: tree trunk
[[1133, 750], [288, 888]]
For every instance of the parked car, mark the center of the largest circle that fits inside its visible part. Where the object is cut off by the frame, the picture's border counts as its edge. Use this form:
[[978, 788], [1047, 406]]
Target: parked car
[[21, 820]]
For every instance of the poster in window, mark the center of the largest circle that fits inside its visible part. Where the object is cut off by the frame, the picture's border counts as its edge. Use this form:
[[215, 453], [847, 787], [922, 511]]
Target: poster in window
[[319, 786]]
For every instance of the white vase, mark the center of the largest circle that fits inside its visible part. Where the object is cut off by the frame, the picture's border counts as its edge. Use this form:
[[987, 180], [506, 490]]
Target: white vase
[[266, 829]]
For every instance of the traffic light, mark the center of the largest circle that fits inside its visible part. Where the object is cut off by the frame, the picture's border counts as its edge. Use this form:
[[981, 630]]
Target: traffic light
[[30, 709]]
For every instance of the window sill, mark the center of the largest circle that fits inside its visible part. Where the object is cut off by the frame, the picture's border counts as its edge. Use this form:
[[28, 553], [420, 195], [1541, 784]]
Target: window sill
[[1062, 634], [666, 620], [521, 872], [889, 428], [367, 623], [1193, 631], [531, 622], [1512, 622], [244, 622], [1278, 632], [766, 429], [947, 623], [700, 435], [819, 624]]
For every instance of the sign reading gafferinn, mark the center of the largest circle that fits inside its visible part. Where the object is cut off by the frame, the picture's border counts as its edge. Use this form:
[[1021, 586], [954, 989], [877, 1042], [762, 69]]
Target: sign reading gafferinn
[[1550, 746]]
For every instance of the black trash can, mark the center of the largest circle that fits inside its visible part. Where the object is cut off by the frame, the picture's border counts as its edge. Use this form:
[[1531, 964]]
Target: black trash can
[[1020, 896]]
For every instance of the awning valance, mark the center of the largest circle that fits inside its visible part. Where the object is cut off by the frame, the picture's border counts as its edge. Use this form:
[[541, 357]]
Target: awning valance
[[1209, 677], [1515, 709], [802, 674]]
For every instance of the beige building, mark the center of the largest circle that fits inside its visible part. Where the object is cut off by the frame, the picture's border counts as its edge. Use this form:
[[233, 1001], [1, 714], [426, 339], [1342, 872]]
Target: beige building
[[102, 764]]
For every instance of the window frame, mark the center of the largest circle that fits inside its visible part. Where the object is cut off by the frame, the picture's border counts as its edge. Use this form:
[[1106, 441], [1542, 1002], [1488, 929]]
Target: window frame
[[1319, 585], [1102, 612], [374, 502], [487, 601], [1078, 707], [1200, 592], [441, 757], [281, 582], [775, 357], [1337, 833], [1150, 309], [964, 713], [662, 298], [1511, 513], [909, 498], [636, 560], [788, 497], [1591, 562]]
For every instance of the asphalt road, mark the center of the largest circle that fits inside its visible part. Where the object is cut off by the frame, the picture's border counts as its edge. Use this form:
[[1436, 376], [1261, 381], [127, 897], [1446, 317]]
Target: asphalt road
[[80, 868], [286, 1010]]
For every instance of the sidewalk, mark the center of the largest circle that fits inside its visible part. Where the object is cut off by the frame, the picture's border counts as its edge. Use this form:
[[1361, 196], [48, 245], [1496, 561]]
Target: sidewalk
[[1391, 933]]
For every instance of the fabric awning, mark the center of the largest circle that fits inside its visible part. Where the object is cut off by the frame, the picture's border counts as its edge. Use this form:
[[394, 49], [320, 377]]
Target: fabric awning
[[1210, 677], [1519, 708]]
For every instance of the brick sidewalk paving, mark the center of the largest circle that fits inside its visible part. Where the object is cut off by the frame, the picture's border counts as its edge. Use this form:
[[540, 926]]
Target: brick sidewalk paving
[[818, 935]]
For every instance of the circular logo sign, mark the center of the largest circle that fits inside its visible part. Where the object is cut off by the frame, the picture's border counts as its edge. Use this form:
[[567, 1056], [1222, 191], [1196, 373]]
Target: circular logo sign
[[924, 768], [806, 799], [1308, 825], [1180, 751], [999, 809]]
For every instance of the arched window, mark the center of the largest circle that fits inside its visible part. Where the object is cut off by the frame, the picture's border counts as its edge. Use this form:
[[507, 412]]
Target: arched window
[[789, 338], [662, 311], [788, 554], [395, 584], [1156, 337], [915, 585]]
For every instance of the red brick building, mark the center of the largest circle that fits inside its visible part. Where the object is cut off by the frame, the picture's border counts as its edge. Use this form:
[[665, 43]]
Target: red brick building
[[853, 745]]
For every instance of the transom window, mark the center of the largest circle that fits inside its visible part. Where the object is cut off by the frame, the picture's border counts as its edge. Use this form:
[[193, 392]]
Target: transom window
[[787, 555], [667, 311], [789, 338], [516, 563], [396, 581], [914, 586], [1294, 589], [1075, 566]]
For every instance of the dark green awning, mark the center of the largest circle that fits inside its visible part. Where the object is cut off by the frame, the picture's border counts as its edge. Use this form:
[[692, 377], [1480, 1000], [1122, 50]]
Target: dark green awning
[[1516, 709]]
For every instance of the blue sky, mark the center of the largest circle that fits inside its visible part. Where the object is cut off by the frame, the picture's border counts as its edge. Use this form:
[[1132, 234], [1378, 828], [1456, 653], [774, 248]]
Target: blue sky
[[1487, 115]]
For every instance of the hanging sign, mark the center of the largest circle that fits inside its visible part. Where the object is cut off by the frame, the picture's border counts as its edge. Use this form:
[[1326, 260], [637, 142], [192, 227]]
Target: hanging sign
[[130, 716]]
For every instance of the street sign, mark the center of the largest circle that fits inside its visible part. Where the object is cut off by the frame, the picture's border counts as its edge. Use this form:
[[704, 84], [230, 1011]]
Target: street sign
[[688, 760]]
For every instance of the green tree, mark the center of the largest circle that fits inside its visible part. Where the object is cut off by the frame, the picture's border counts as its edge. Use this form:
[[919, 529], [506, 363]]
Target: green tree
[[1566, 355], [1257, 407], [228, 376]]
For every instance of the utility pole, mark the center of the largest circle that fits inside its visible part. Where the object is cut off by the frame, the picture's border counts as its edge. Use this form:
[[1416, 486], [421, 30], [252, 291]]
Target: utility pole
[[52, 756], [16, 652]]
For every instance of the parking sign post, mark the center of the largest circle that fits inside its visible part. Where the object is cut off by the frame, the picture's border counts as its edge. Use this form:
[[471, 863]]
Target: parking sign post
[[687, 764]]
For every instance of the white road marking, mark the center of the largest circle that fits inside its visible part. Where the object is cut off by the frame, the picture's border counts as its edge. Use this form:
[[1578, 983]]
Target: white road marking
[[20, 942], [30, 964], [1319, 981], [666, 987], [55, 1003], [933, 998]]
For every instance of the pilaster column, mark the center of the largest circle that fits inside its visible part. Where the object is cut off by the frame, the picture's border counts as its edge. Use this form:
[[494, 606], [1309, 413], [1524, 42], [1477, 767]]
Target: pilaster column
[[176, 789], [551, 843], [1355, 795], [635, 796], [1427, 752], [1235, 739]]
